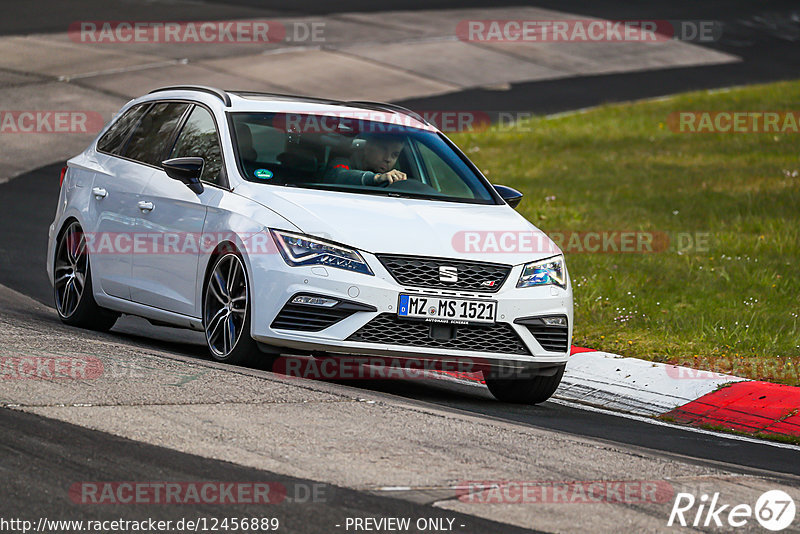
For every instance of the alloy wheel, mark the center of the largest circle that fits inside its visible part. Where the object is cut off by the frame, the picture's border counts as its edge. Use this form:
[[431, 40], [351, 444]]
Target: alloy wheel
[[71, 267], [226, 304]]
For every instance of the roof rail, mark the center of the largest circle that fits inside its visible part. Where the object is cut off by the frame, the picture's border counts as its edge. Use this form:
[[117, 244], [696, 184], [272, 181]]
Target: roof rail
[[388, 107], [219, 93], [313, 99]]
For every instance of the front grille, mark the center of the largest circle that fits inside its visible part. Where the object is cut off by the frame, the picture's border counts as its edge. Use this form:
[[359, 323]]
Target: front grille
[[552, 338], [386, 328], [424, 272]]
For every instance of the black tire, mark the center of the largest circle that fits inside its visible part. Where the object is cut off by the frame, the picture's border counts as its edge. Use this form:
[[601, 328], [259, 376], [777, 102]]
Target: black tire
[[76, 306], [529, 390], [244, 350]]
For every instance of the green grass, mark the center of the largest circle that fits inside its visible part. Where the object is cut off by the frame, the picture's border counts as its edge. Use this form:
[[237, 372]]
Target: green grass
[[731, 308]]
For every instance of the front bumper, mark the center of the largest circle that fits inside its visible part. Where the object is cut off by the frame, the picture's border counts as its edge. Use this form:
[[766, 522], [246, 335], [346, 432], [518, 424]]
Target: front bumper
[[275, 284]]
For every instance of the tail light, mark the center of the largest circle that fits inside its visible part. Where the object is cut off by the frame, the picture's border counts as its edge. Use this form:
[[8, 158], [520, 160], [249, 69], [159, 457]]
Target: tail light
[[63, 173]]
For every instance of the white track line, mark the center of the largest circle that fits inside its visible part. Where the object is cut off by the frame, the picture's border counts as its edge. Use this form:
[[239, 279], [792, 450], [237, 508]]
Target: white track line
[[658, 422]]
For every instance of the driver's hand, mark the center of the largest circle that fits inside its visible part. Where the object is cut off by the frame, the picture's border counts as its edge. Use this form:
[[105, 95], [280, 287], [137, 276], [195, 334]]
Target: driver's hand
[[390, 177]]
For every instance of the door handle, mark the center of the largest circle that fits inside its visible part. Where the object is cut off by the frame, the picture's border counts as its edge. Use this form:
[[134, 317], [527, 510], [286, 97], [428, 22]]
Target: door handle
[[99, 192], [146, 206]]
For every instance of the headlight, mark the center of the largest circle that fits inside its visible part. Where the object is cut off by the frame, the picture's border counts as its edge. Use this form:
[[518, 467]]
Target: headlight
[[298, 249], [544, 272]]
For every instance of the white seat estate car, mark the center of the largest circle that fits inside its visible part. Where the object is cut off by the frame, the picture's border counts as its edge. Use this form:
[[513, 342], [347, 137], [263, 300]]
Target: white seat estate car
[[283, 225]]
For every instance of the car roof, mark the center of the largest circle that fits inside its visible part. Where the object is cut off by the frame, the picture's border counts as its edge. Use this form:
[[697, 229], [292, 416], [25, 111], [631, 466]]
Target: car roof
[[253, 101]]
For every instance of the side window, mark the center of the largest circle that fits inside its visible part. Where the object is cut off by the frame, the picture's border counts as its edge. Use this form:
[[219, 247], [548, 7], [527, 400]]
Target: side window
[[262, 146], [112, 140], [268, 142], [154, 132], [199, 138]]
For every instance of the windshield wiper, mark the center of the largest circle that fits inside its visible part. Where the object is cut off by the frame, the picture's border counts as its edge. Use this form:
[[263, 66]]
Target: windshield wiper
[[346, 188]]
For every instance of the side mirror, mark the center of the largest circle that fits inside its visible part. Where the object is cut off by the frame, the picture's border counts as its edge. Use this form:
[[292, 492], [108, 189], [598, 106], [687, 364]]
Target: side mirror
[[186, 170], [509, 194]]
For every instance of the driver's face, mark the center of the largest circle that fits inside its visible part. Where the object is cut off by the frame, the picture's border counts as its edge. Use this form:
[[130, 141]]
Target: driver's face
[[380, 156]]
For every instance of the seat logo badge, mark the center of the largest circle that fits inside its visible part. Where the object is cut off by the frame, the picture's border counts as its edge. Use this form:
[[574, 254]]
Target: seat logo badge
[[448, 274]]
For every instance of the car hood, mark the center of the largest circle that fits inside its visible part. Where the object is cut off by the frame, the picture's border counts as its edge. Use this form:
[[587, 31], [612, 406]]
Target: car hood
[[392, 225]]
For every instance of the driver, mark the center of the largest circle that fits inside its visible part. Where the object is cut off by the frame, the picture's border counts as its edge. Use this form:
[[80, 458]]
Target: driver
[[371, 164]]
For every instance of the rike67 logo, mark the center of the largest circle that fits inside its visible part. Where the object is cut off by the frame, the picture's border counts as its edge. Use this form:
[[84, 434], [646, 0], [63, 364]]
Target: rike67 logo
[[774, 510]]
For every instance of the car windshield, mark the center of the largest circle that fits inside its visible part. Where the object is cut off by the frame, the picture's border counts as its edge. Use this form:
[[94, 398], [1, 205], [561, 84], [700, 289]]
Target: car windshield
[[345, 154]]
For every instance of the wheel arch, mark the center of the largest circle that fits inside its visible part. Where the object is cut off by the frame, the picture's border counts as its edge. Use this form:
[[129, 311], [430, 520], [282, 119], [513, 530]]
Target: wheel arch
[[69, 219], [221, 249]]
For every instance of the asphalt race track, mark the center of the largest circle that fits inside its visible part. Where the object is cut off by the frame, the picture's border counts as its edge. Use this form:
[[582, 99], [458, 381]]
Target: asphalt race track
[[90, 456], [43, 456]]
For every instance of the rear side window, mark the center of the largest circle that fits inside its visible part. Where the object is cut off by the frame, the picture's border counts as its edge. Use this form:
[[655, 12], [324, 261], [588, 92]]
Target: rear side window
[[154, 132], [113, 139], [199, 138]]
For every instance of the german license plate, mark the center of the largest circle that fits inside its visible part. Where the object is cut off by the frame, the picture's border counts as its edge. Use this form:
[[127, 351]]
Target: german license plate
[[446, 310]]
